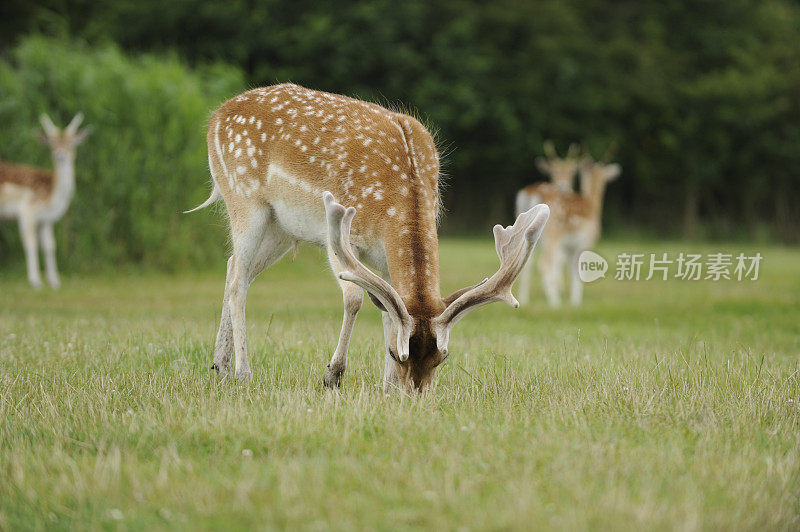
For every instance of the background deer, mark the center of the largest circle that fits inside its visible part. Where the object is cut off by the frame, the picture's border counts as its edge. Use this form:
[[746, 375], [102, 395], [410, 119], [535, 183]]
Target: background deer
[[574, 226], [280, 159], [38, 198]]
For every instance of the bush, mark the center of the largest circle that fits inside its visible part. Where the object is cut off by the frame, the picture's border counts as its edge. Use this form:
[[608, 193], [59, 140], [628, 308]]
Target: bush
[[145, 162]]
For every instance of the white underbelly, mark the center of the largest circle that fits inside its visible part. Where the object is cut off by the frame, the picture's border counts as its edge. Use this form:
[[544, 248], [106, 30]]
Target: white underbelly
[[308, 224], [301, 222]]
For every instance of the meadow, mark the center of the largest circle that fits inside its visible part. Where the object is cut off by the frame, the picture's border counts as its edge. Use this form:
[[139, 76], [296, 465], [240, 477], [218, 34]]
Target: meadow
[[656, 405]]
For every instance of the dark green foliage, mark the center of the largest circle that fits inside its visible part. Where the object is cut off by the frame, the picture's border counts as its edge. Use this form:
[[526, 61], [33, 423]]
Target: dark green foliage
[[703, 96], [145, 162]]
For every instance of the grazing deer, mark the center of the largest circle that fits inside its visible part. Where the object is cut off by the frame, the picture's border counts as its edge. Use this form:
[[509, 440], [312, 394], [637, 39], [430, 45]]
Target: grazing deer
[[283, 158], [38, 198], [574, 226]]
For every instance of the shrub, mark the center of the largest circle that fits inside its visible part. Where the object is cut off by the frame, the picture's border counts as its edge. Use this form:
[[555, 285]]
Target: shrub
[[145, 162]]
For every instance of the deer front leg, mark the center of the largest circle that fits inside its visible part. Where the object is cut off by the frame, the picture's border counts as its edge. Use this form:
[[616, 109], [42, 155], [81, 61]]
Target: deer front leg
[[525, 282], [352, 296], [551, 265], [48, 242], [391, 380], [27, 228], [576, 286]]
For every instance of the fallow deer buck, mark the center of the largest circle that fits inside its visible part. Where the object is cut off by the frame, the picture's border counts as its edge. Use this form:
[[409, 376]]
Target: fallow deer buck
[[38, 198], [574, 226], [285, 159]]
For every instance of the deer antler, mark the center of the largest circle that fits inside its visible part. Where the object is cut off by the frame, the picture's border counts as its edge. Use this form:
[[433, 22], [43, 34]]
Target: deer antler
[[573, 151], [47, 124], [514, 245], [72, 128], [339, 220], [550, 150], [610, 152]]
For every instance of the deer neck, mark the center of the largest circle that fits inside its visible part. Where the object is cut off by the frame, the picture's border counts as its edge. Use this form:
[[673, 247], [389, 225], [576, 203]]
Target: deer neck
[[63, 183], [594, 194], [412, 256]]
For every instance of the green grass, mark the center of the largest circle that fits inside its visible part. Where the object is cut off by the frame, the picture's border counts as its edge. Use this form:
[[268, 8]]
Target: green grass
[[667, 405]]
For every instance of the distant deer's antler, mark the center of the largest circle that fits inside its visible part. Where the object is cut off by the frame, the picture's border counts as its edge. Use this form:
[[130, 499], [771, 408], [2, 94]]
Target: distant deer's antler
[[550, 150]]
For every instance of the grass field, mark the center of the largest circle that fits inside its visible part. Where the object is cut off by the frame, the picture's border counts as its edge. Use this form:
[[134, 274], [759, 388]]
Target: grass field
[[666, 405]]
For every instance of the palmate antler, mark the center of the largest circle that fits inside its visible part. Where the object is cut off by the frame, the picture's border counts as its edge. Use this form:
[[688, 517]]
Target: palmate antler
[[339, 220], [514, 245]]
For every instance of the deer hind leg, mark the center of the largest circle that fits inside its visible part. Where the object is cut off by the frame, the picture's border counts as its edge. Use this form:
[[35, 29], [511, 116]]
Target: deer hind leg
[[27, 228], [223, 347], [352, 296], [257, 244], [48, 242]]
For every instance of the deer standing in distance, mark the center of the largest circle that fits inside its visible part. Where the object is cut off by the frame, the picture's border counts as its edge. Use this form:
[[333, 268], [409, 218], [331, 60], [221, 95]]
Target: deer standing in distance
[[285, 160], [574, 226], [38, 198]]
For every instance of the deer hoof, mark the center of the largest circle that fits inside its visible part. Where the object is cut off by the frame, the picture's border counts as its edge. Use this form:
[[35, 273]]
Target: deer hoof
[[333, 378], [221, 370]]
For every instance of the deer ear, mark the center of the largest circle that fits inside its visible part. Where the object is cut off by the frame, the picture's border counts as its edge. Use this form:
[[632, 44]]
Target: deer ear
[[49, 127], [613, 171], [82, 134], [543, 165]]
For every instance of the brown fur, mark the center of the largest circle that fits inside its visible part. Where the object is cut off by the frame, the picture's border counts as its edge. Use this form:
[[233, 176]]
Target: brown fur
[[568, 209], [406, 166], [39, 180]]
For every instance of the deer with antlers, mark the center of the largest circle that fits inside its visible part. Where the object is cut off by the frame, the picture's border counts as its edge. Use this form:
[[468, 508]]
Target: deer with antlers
[[574, 226], [286, 160], [38, 198]]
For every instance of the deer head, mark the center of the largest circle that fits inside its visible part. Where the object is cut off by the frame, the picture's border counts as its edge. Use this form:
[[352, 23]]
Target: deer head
[[419, 343], [62, 143], [561, 171]]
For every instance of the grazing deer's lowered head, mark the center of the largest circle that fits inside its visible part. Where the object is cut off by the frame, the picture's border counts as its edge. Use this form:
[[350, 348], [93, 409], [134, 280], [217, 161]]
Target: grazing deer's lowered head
[[418, 341], [561, 171], [38, 198], [294, 164]]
